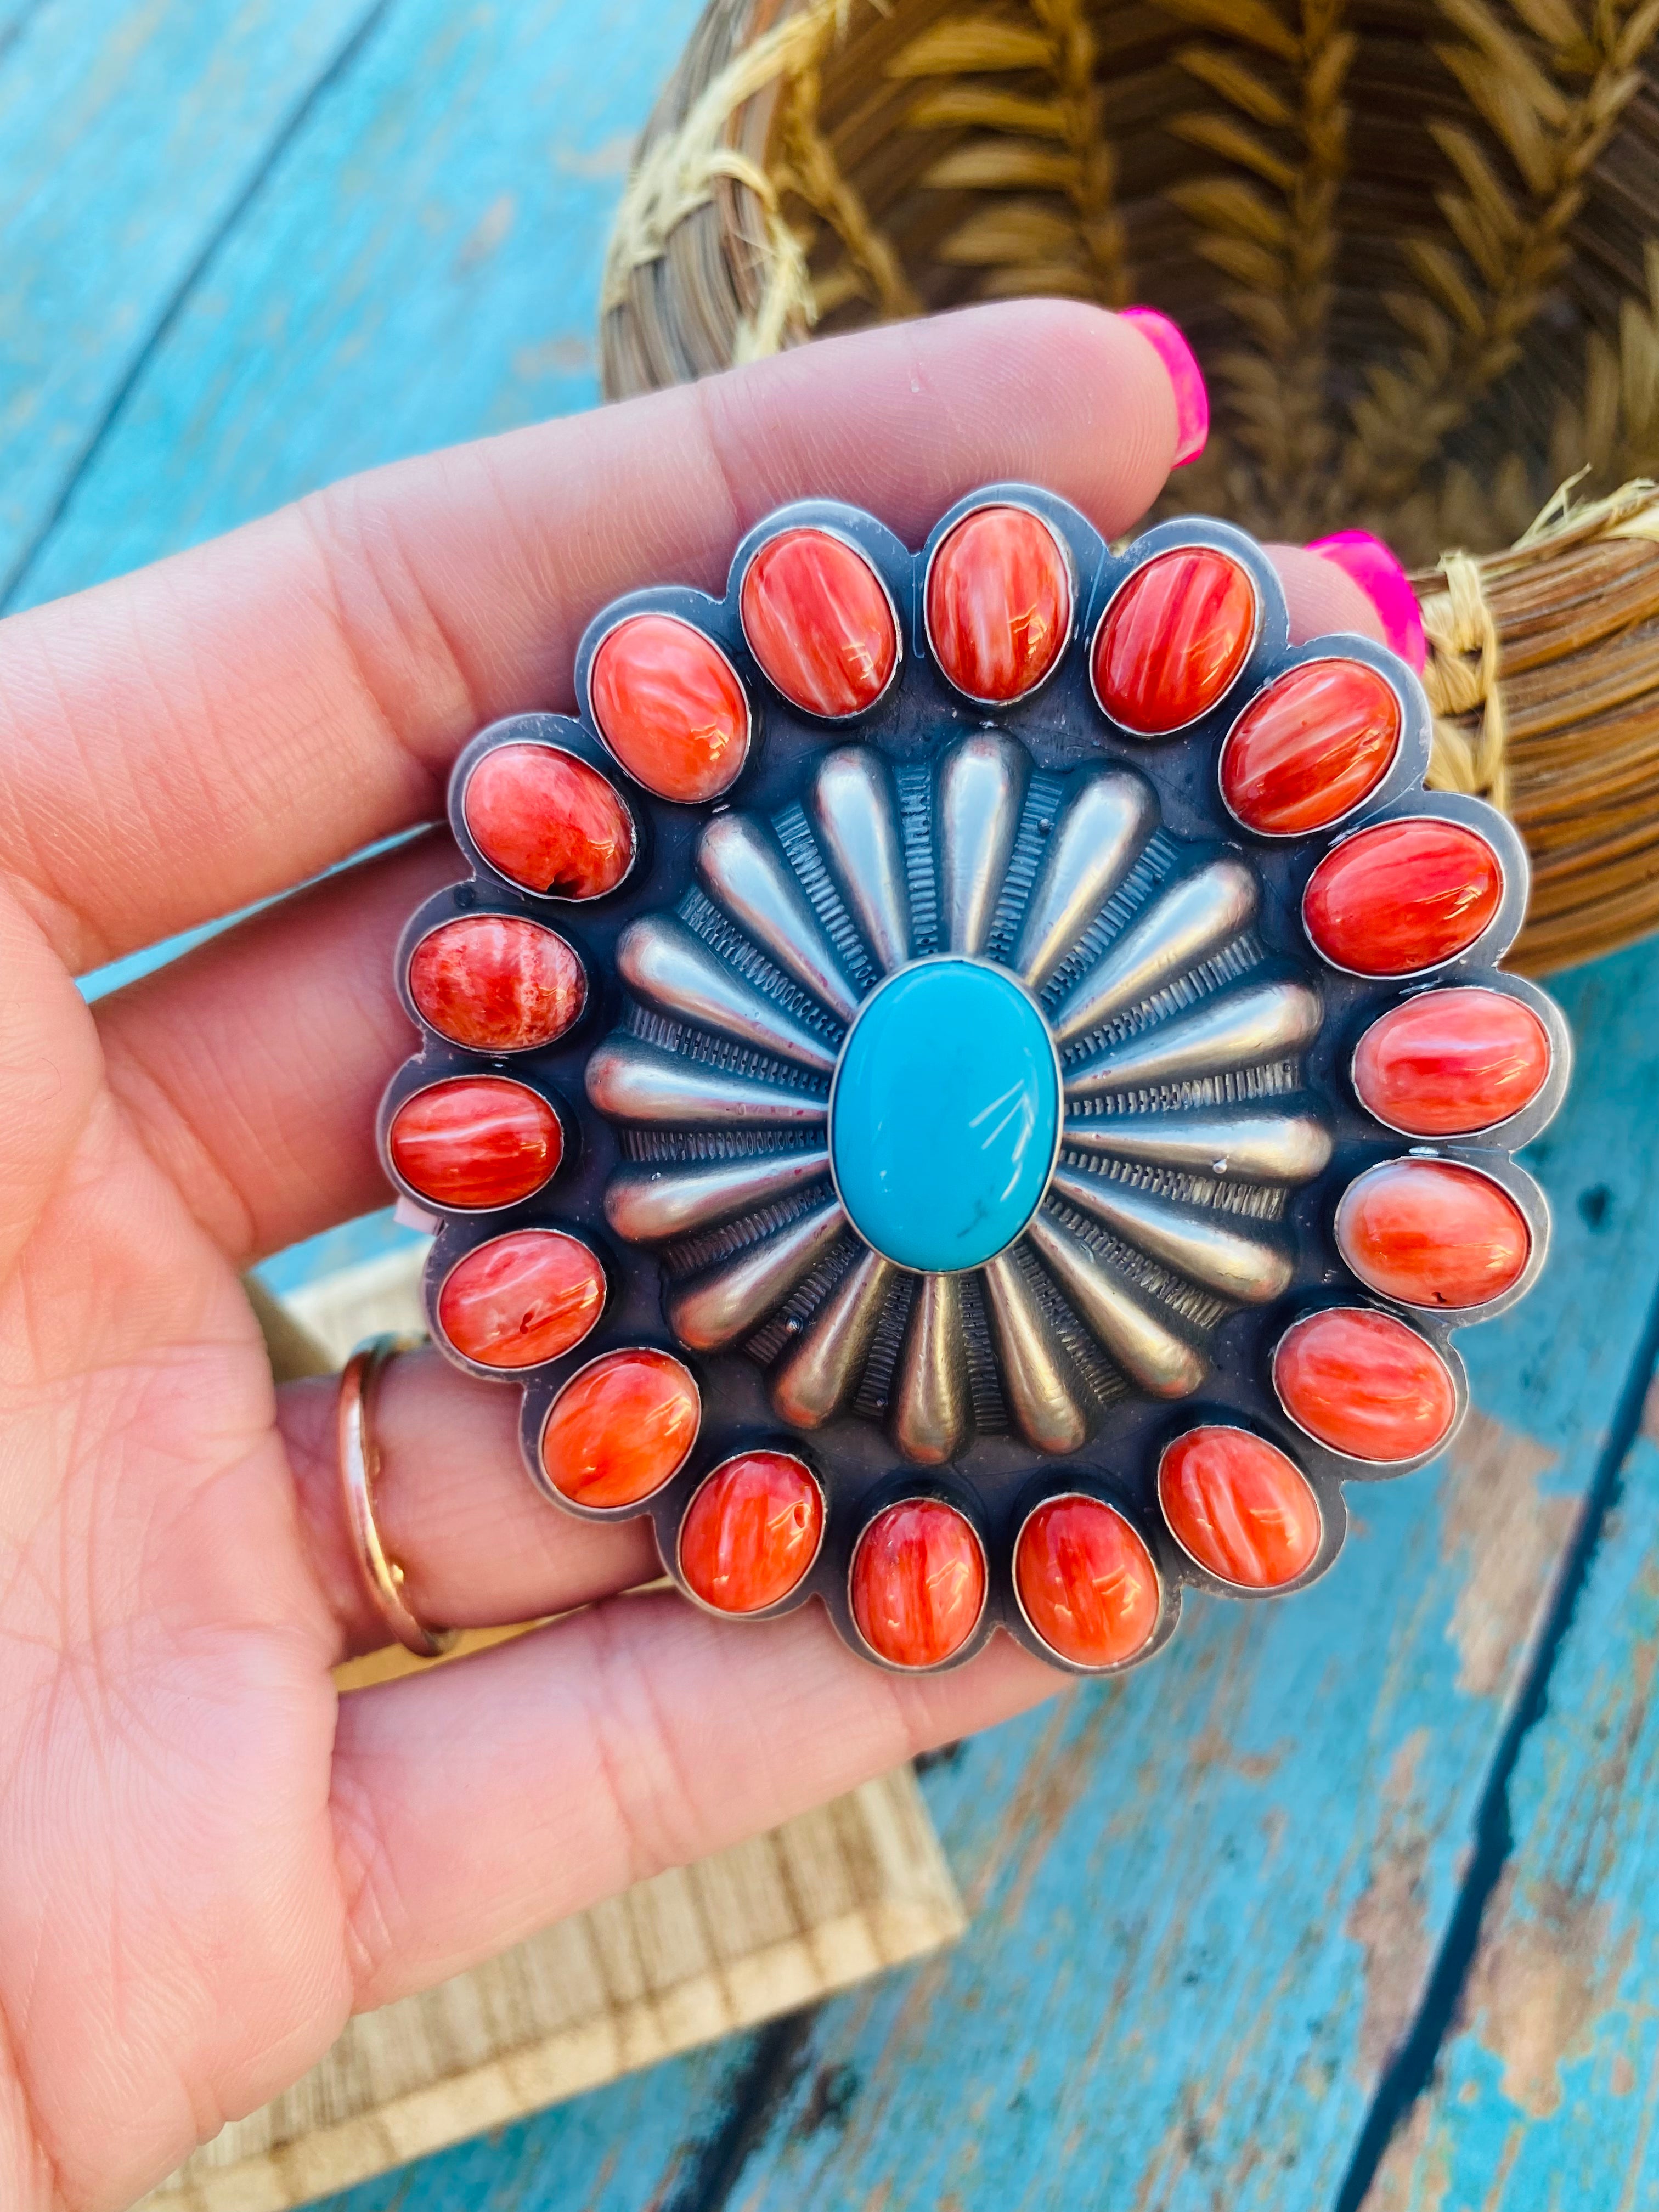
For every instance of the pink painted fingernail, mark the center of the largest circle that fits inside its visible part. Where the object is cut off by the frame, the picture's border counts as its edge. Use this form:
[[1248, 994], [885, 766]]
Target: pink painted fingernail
[[1192, 399], [1383, 581]]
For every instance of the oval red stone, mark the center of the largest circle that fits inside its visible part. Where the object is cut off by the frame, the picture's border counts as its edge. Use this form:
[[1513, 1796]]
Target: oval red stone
[[1240, 1507], [1365, 1384], [477, 1141], [1451, 1062], [998, 603], [818, 620], [671, 707], [1176, 636], [1086, 1581], [1402, 895], [522, 1298], [752, 1532], [546, 820], [918, 1583], [1308, 749], [497, 982], [1432, 1233], [621, 1428]]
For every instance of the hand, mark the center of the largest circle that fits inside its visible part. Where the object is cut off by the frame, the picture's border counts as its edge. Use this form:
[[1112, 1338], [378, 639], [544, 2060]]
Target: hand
[[207, 1858]]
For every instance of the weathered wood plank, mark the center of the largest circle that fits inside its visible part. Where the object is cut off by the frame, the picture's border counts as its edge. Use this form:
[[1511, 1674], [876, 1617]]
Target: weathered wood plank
[[1205, 1899], [761, 1929], [1545, 2090], [129, 129], [643, 2142], [419, 266]]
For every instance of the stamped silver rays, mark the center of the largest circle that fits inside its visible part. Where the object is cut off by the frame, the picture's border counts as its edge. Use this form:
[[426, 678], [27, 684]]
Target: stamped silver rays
[[1048, 935]]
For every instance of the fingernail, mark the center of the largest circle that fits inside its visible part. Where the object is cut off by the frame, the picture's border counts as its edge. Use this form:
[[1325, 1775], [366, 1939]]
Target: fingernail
[[1382, 579], [1192, 399]]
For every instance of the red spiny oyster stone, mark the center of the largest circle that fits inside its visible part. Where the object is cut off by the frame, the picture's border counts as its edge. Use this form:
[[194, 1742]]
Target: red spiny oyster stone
[[1239, 1507], [1086, 1581], [998, 603], [548, 821], [1451, 1062], [1432, 1233], [819, 621], [497, 982], [475, 1141], [621, 1428], [1173, 639], [918, 1583], [671, 707], [1310, 747], [1402, 895], [1365, 1384], [752, 1532], [522, 1298]]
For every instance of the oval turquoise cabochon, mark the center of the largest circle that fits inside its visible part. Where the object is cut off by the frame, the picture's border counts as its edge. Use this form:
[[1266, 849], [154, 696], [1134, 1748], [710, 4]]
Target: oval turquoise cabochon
[[945, 1114]]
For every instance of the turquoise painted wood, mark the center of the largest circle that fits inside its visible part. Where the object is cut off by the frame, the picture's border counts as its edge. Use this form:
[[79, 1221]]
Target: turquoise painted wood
[[421, 264], [1208, 1898], [130, 133], [1545, 2091]]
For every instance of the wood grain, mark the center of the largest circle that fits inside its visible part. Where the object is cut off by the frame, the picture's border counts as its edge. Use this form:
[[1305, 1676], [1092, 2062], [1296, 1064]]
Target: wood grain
[[1548, 2086], [421, 264], [132, 129], [758, 1930]]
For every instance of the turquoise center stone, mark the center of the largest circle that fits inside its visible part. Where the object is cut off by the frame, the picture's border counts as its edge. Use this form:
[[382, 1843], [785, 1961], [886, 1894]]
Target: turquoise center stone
[[944, 1114]]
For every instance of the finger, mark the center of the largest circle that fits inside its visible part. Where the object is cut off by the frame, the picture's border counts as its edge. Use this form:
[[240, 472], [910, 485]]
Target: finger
[[478, 1544], [253, 1065], [636, 1736], [187, 739], [1323, 597], [49, 1077]]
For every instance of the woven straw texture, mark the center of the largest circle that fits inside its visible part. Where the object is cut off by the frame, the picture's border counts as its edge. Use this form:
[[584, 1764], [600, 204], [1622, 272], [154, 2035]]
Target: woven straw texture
[[1415, 246]]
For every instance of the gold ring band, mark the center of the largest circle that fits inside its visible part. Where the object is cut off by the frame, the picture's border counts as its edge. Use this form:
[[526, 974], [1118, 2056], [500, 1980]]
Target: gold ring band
[[360, 1471]]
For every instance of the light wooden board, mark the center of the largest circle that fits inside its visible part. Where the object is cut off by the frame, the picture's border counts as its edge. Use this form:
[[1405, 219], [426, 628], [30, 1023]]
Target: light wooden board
[[771, 1925], [376, 1297]]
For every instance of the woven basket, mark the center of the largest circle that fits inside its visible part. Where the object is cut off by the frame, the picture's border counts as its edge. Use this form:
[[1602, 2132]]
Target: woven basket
[[1416, 246]]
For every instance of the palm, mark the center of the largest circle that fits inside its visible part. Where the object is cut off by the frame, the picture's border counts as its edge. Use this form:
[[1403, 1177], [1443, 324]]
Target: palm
[[166, 1713], [210, 1859]]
